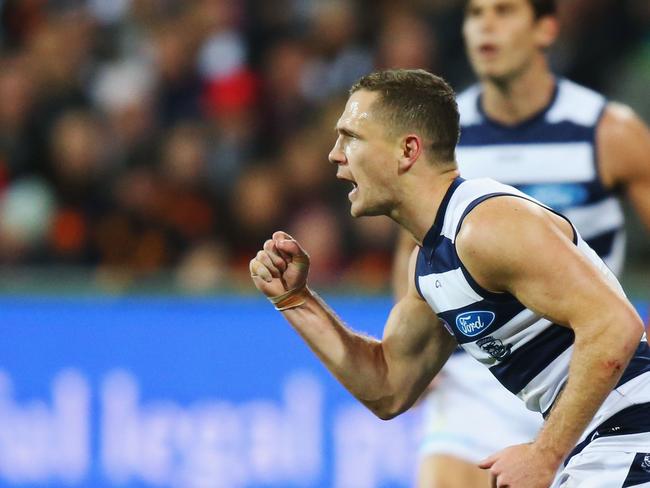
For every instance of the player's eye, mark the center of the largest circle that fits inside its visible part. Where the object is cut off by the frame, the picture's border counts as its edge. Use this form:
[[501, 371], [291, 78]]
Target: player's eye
[[505, 9], [472, 12]]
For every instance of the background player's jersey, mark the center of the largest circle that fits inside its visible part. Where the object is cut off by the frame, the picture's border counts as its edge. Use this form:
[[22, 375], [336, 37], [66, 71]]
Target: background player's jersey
[[551, 157], [526, 352]]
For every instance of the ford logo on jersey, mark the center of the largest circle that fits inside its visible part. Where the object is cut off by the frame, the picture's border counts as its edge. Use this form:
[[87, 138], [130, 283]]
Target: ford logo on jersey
[[473, 323]]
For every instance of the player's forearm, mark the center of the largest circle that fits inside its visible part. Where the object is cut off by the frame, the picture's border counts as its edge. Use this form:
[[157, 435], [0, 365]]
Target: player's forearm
[[597, 364], [354, 359]]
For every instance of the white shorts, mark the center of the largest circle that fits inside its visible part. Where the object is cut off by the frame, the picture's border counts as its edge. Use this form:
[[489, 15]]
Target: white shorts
[[470, 415], [596, 467], [614, 451]]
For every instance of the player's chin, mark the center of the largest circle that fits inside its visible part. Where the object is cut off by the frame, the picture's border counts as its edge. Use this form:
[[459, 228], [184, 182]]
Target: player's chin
[[497, 74], [357, 210], [489, 70]]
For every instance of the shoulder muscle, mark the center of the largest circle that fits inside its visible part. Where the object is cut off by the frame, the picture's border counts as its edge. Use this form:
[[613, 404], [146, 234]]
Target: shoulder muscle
[[623, 146]]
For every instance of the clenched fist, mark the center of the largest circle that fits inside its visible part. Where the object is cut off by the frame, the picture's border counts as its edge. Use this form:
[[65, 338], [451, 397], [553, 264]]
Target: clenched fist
[[280, 269]]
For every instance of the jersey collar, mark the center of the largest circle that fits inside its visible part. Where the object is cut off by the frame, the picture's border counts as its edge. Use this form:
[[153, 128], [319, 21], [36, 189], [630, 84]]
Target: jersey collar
[[431, 238]]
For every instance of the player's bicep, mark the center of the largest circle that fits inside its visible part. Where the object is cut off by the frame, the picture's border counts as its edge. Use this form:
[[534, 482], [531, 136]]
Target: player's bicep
[[414, 333], [530, 254], [415, 343], [559, 282]]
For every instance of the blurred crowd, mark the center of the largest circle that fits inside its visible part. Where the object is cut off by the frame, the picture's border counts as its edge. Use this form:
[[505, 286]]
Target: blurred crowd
[[148, 136]]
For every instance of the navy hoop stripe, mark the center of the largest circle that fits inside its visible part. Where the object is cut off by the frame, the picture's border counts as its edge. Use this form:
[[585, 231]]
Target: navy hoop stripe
[[532, 358]]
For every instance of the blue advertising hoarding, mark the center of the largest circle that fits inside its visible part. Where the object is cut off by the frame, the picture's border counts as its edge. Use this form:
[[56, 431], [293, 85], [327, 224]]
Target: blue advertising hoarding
[[218, 393], [192, 393]]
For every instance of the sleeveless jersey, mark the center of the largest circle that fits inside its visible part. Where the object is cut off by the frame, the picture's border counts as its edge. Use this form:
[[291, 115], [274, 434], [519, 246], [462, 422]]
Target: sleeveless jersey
[[527, 353], [551, 157]]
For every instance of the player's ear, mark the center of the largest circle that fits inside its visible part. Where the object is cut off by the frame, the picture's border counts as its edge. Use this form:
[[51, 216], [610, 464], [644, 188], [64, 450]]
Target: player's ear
[[410, 151], [546, 31]]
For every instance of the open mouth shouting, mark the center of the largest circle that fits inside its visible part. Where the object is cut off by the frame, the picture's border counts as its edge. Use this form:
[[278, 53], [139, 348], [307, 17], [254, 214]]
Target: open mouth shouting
[[355, 187], [354, 190], [488, 49]]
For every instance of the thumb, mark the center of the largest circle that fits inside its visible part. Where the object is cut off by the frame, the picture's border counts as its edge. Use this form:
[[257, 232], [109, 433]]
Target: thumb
[[488, 461], [288, 246], [281, 235], [292, 252]]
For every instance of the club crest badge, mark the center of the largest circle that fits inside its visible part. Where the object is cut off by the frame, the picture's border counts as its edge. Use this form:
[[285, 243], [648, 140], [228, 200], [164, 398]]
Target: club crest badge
[[495, 347], [645, 464]]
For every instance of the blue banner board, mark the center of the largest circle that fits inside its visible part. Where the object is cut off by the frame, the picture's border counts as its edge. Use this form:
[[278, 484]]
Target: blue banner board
[[189, 393], [192, 393]]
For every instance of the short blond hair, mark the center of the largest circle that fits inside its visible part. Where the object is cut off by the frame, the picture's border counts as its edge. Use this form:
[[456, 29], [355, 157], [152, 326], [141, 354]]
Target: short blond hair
[[416, 100]]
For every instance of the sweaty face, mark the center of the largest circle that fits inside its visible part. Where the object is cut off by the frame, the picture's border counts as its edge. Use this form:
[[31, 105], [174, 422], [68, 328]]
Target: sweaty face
[[365, 153], [501, 37]]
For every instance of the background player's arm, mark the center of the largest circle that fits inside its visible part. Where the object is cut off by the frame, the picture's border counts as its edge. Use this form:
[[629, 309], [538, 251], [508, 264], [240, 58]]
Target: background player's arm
[[513, 245], [388, 375], [624, 156], [400, 274]]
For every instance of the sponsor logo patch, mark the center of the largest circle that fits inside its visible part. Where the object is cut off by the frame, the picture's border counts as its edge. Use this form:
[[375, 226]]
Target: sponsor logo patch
[[473, 323]]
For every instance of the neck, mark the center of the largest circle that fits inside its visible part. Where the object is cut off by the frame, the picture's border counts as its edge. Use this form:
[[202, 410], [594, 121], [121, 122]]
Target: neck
[[416, 213], [513, 100]]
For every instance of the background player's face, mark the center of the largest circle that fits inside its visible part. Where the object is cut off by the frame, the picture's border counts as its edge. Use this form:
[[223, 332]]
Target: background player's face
[[364, 153], [502, 37]]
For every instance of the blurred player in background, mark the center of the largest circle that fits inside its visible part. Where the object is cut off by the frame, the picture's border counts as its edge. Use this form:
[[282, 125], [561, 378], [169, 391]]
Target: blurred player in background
[[557, 141], [495, 271]]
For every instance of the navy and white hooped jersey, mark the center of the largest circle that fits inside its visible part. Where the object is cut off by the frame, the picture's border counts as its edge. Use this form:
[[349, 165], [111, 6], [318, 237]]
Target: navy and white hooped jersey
[[526, 352], [551, 157]]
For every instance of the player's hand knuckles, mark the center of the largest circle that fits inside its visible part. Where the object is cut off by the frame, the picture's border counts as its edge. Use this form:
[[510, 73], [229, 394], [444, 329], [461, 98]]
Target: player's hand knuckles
[[263, 262], [271, 271], [265, 258], [258, 270], [276, 259], [267, 262]]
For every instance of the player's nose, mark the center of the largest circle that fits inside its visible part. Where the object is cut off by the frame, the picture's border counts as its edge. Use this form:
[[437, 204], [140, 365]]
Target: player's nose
[[336, 155], [488, 22]]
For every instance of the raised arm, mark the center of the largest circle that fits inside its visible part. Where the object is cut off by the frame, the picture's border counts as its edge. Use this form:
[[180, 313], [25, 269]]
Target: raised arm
[[512, 245], [386, 375]]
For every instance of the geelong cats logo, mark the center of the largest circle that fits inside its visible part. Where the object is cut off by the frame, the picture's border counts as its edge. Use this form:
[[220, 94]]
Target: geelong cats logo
[[494, 347], [473, 323], [645, 465]]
